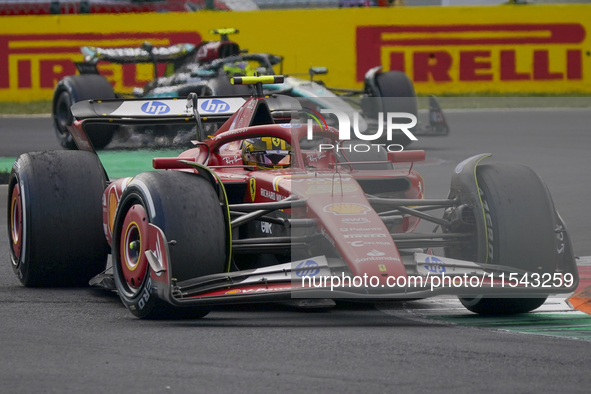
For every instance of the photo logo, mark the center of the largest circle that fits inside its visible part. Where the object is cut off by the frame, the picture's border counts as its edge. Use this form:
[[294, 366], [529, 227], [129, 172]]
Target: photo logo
[[155, 108], [345, 127], [215, 106]]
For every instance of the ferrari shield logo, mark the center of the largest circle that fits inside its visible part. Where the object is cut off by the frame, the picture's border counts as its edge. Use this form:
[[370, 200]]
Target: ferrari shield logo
[[253, 188]]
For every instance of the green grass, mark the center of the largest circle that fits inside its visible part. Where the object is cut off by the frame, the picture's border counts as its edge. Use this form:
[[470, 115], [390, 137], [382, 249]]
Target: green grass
[[26, 108], [117, 163]]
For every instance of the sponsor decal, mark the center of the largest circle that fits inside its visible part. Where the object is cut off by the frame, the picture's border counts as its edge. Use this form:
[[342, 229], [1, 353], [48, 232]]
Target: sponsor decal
[[258, 290], [373, 258], [312, 268], [376, 253], [214, 106], [468, 53], [382, 267], [267, 228], [32, 64], [155, 108], [272, 195], [232, 160], [355, 220], [347, 209], [358, 244], [253, 188], [433, 264], [290, 125], [315, 157], [366, 235]]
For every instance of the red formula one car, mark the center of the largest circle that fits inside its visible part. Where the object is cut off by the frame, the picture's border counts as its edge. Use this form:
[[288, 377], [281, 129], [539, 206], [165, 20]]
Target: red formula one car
[[273, 207]]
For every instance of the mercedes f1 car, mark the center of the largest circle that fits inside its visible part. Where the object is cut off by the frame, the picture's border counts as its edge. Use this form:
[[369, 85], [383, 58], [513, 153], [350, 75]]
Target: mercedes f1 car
[[206, 70], [272, 207]]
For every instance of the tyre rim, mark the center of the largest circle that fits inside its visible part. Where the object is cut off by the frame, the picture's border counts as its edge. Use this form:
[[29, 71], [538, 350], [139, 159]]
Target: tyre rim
[[133, 245], [16, 221]]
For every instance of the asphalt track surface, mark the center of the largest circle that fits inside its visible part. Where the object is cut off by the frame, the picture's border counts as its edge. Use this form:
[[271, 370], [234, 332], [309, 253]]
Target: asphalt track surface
[[81, 340]]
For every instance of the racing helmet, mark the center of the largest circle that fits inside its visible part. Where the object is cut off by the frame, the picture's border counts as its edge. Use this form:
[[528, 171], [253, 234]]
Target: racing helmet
[[241, 68], [267, 153]]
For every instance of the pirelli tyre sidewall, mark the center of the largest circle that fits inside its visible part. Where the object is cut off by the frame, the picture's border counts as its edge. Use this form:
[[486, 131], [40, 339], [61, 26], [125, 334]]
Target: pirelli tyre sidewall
[[520, 220], [17, 223], [140, 300]]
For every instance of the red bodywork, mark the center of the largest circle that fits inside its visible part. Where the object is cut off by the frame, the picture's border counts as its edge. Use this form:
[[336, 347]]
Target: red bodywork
[[335, 200]]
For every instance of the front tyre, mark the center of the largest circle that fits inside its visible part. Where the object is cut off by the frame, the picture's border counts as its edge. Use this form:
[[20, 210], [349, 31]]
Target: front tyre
[[501, 306], [186, 208], [520, 217]]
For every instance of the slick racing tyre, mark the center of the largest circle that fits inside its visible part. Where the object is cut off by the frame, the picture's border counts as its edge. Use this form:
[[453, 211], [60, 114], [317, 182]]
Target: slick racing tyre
[[520, 217], [72, 89], [186, 208], [397, 95], [55, 218]]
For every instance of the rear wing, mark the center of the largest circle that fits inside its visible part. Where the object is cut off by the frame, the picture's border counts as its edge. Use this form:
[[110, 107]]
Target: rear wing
[[214, 109], [151, 112], [138, 54]]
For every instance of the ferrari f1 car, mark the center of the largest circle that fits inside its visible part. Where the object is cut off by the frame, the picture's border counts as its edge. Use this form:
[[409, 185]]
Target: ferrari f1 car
[[270, 208], [206, 70]]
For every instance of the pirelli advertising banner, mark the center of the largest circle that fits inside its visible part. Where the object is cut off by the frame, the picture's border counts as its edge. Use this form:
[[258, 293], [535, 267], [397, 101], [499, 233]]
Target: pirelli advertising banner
[[461, 50]]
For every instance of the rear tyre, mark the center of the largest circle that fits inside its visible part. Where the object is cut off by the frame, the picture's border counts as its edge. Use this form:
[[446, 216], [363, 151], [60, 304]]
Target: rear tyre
[[397, 95], [186, 208], [55, 218], [520, 218], [72, 89]]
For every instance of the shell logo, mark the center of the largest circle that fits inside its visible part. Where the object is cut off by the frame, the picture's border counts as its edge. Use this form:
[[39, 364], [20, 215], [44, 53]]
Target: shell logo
[[347, 209]]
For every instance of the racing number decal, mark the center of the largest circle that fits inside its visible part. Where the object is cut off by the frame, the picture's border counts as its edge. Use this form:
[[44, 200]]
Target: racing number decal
[[253, 188]]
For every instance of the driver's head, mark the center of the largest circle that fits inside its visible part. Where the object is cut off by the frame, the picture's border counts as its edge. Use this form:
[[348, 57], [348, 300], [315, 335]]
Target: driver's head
[[267, 153], [240, 68]]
